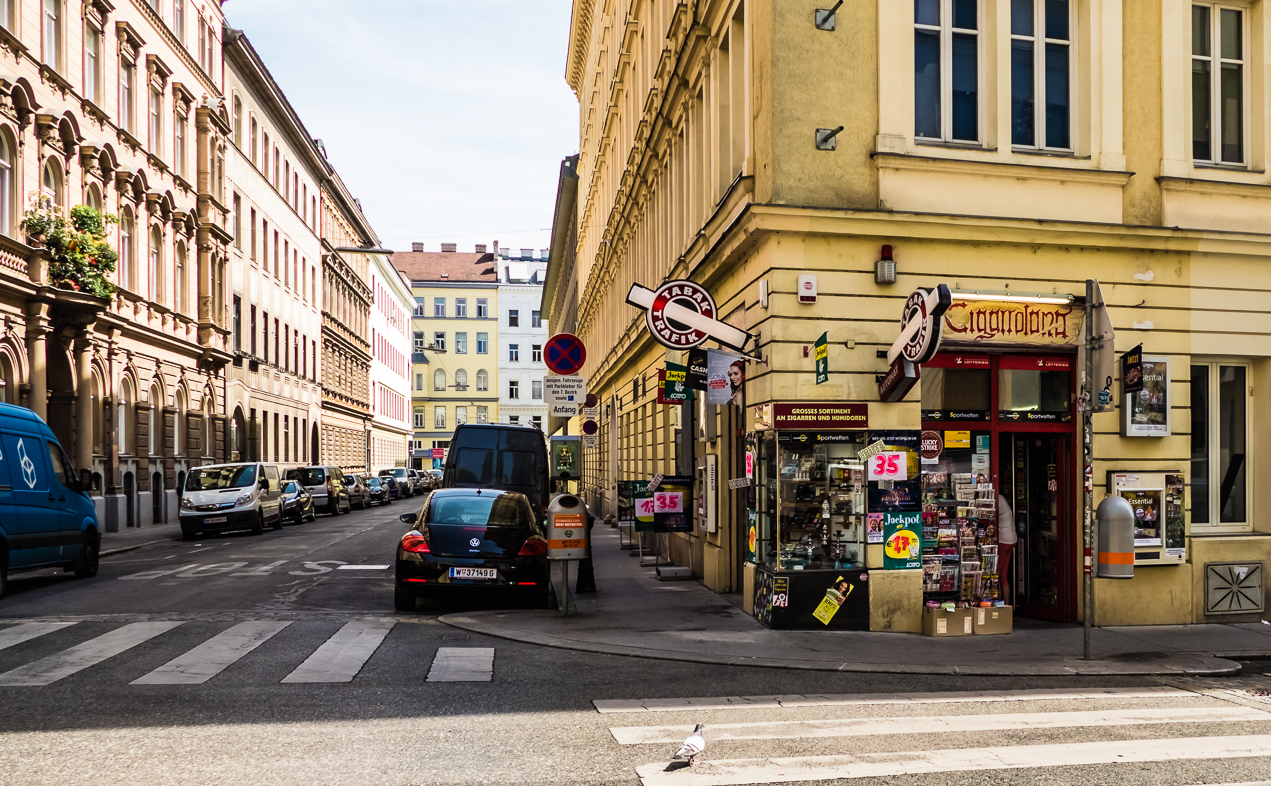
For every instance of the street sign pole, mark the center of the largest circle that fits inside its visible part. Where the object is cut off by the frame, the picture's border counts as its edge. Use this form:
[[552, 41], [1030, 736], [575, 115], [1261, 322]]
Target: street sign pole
[[1087, 471]]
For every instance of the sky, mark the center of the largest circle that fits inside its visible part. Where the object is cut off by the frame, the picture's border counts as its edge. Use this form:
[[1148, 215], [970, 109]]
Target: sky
[[448, 119]]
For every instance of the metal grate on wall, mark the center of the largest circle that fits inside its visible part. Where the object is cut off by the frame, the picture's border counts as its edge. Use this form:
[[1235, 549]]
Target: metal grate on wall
[[1233, 587]]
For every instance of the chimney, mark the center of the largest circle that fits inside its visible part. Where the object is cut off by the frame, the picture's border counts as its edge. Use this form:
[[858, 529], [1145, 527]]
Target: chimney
[[544, 254], [496, 249], [527, 253], [449, 248], [480, 248], [416, 247]]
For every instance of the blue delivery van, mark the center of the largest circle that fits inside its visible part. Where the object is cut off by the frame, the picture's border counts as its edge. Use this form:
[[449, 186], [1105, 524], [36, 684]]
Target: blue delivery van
[[46, 517]]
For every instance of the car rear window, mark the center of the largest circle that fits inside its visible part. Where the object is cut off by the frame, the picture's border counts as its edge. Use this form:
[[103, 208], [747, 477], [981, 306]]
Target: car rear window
[[519, 468], [310, 476], [474, 465], [491, 511]]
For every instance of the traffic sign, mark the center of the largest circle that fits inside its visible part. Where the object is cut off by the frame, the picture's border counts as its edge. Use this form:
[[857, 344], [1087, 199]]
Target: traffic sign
[[564, 353], [591, 401], [564, 390], [590, 427]]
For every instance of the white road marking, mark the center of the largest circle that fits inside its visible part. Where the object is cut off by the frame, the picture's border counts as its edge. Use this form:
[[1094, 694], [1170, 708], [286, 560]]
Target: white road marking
[[363, 567], [65, 663], [830, 700], [10, 637], [877, 765], [342, 656], [462, 664], [212, 656], [931, 724]]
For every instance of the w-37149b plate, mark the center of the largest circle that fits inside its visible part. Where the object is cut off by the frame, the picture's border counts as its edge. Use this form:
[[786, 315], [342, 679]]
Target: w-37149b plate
[[473, 573]]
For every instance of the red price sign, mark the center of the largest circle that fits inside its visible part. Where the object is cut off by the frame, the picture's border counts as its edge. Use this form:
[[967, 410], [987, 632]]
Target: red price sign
[[669, 501], [646, 506], [889, 466]]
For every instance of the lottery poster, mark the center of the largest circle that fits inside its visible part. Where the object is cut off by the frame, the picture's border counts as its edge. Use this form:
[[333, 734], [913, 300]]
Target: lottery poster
[[902, 544], [672, 504], [642, 505]]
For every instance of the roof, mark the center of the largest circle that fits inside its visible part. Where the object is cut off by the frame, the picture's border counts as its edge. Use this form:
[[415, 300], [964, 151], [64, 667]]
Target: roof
[[446, 266]]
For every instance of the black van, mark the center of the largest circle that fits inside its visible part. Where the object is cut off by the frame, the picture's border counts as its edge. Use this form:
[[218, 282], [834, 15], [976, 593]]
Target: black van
[[499, 456]]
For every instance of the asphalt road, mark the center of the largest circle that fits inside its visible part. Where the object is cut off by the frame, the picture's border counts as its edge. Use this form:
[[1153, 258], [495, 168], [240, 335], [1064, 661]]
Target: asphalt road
[[215, 632]]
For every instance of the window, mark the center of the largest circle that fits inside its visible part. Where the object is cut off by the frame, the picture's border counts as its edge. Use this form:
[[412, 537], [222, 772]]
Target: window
[[439, 307], [461, 343], [461, 307], [537, 420], [439, 379], [238, 121], [51, 183], [238, 324], [514, 318], [92, 61], [536, 353], [251, 252], [514, 353], [461, 415], [178, 145], [156, 432], [483, 310], [178, 19], [537, 390], [419, 382], [439, 341], [461, 379], [946, 70], [514, 419], [264, 336], [182, 280], [420, 342], [126, 77], [514, 389], [251, 326], [483, 380], [535, 319], [1218, 72], [127, 249], [419, 419], [124, 416], [1040, 67], [1220, 440], [483, 414], [6, 187], [253, 128], [483, 343], [6, 14], [52, 34], [238, 222], [439, 417]]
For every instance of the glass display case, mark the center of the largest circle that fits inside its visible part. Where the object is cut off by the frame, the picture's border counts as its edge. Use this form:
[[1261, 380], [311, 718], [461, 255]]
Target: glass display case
[[811, 501]]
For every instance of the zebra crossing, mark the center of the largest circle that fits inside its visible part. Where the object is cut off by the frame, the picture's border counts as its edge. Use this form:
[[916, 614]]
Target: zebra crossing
[[846, 737], [339, 658]]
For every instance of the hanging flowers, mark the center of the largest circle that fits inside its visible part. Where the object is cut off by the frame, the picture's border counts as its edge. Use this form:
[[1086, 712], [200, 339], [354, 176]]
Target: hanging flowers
[[80, 259]]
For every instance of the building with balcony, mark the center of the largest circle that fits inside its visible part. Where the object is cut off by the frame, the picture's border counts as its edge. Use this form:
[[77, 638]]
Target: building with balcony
[[455, 349], [522, 333]]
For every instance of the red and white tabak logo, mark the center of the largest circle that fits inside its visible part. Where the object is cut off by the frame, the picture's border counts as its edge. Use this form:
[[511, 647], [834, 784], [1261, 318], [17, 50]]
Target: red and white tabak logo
[[681, 315]]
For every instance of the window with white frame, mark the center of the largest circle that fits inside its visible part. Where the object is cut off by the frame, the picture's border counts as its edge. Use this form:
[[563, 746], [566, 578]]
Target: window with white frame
[[514, 389], [127, 73], [461, 307], [514, 318], [483, 343], [537, 390], [178, 20], [439, 417], [178, 150], [536, 353], [53, 34], [439, 307], [1220, 432], [1041, 69], [947, 70], [483, 380], [483, 414], [461, 415], [92, 62], [461, 343], [483, 310], [536, 319], [439, 341], [514, 419], [419, 382], [421, 343], [461, 379], [439, 379], [537, 420], [419, 419], [6, 13], [1218, 84], [514, 353]]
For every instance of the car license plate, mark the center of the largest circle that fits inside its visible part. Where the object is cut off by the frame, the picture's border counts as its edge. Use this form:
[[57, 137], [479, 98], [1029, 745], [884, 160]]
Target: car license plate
[[215, 520], [472, 573]]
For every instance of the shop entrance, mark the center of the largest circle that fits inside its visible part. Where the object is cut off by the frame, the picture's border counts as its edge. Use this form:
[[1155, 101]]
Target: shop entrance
[[1004, 424]]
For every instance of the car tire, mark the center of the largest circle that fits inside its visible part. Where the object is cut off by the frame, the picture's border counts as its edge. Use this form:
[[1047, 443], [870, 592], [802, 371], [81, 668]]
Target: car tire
[[313, 516], [278, 524], [258, 527], [403, 601], [89, 557]]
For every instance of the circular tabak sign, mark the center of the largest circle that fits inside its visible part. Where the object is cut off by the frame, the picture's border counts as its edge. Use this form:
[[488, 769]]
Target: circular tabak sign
[[672, 333], [926, 308]]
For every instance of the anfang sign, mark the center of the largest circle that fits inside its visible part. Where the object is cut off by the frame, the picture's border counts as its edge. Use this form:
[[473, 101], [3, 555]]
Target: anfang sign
[[681, 315]]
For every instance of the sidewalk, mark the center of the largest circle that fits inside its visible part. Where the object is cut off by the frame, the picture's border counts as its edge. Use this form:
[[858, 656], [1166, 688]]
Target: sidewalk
[[633, 613], [135, 537]]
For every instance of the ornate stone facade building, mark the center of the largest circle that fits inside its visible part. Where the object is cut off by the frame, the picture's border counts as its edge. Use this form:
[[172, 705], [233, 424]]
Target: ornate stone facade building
[[117, 108]]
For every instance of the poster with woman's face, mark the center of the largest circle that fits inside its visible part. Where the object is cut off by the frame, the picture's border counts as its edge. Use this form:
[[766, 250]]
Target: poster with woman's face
[[725, 377]]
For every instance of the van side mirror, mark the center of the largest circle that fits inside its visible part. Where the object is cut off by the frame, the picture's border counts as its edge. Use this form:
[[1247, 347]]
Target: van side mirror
[[409, 518], [264, 484]]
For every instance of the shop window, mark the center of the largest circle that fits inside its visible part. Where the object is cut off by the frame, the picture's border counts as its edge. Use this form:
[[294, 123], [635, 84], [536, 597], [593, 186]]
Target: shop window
[[1220, 439], [956, 394], [1035, 390]]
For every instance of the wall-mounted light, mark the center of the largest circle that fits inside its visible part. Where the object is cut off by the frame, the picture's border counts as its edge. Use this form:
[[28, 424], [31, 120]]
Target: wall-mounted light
[[1055, 300], [885, 268], [825, 138], [827, 19]]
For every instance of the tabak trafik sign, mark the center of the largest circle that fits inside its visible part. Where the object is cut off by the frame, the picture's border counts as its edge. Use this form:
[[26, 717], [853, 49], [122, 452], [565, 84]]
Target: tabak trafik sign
[[682, 315], [919, 341]]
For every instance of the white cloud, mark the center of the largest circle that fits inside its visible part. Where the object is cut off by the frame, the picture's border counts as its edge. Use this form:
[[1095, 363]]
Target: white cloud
[[447, 119]]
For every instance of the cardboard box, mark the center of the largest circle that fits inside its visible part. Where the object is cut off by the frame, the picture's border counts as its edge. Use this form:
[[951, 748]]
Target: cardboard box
[[938, 622], [994, 620]]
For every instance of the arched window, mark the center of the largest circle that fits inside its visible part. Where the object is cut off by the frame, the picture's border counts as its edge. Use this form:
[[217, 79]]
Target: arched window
[[461, 379], [124, 418], [483, 380], [439, 379], [253, 127], [6, 186], [51, 182], [182, 281], [8, 380], [93, 197], [238, 122], [127, 249], [177, 433], [208, 411], [156, 421], [155, 270]]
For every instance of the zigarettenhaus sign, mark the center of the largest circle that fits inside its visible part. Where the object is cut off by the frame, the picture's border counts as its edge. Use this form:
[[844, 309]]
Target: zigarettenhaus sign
[[991, 321]]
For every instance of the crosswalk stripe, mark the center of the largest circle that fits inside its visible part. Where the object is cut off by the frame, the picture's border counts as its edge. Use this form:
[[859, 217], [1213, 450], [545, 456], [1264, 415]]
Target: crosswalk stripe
[[872, 765], [607, 706], [212, 656], [77, 658], [342, 656], [462, 664], [932, 724], [17, 634]]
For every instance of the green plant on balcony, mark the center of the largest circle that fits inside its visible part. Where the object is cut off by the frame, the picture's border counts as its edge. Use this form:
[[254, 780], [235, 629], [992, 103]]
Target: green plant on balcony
[[80, 259]]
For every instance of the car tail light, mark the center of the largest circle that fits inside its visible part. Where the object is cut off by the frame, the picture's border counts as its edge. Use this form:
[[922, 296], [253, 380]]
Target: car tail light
[[330, 486], [416, 543], [533, 548]]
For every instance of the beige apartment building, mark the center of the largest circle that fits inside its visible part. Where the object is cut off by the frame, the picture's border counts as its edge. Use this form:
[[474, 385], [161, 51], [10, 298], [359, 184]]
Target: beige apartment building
[[1009, 150]]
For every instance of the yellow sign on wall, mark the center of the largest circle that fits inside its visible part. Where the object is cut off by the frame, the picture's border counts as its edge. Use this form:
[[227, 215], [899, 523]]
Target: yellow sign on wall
[[997, 322]]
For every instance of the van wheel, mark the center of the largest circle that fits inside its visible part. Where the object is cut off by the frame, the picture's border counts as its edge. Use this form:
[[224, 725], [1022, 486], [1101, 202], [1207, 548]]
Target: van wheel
[[278, 524], [89, 557], [258, 528], [403, 601]]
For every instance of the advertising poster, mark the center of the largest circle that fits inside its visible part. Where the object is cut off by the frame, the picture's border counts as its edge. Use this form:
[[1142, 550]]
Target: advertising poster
[[1147, 409], [697, 367], [874, 528], [896, 495], [1147, 515], [566, 458], [643, 504], [673, 388], [1175, 504], [822, 359], [725, 377], [1132, 370], [833, 600], [752, 536], [626, 503], [672, 504], [902, 544]]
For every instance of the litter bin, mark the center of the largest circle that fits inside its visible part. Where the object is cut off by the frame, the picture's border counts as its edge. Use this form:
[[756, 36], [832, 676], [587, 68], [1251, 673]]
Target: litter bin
[[1116, 538]]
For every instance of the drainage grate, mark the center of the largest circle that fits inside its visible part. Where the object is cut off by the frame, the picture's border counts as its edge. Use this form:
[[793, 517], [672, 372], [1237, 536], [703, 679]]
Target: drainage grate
[[1233, 587]]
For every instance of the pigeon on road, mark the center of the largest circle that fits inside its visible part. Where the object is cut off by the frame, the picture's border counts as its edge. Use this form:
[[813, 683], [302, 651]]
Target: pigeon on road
[[692, 746]]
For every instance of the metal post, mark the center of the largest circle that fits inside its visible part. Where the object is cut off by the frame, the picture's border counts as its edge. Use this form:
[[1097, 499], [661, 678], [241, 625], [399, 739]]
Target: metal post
[[1087, 471]]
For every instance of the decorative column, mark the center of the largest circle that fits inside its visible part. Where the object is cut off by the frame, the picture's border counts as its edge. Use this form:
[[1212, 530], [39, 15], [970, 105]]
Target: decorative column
[[37, 331], [84, 411]]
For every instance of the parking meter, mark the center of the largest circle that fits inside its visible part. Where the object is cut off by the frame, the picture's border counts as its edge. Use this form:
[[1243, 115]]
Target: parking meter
[[567, 533], [1116, 538]]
